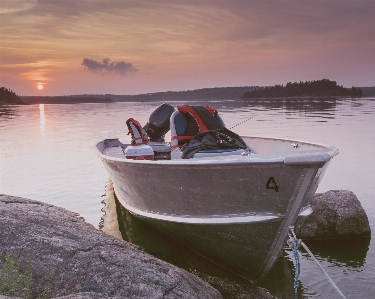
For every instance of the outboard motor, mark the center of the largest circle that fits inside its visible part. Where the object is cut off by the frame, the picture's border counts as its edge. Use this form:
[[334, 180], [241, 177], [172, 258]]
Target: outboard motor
[[159, 122]]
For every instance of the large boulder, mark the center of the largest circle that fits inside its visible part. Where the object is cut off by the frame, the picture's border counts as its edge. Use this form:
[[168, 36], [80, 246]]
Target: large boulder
[[336, 214], [71, 257]]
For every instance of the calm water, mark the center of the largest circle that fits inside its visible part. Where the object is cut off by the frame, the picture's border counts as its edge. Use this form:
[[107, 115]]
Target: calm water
[[46, 155]]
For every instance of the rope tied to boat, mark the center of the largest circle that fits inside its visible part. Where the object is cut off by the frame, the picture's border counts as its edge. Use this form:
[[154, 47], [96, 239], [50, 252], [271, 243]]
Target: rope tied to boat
[[294, 243]]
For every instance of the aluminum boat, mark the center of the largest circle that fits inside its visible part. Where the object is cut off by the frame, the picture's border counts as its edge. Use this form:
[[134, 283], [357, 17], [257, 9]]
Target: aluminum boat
[[233, 207]]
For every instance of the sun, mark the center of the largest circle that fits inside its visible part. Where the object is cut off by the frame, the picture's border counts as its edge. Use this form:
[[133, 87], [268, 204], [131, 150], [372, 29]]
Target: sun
[[40, 86]]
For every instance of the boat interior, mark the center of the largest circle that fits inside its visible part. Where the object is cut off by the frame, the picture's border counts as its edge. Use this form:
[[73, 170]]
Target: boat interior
[[156, 148]]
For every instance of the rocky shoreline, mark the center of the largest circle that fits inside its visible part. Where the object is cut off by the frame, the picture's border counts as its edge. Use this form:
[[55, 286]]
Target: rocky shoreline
[[76, 260], [84, 261]]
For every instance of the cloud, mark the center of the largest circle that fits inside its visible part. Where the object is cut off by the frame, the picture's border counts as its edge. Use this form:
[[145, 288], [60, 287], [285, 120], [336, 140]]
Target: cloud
[[106, 66], [16, 6]]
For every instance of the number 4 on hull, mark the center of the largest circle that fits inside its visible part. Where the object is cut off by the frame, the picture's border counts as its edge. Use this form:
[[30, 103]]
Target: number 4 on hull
[[271, 184]]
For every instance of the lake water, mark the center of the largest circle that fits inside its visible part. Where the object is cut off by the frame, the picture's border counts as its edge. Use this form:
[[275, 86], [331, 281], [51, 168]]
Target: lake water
[[46, 155]]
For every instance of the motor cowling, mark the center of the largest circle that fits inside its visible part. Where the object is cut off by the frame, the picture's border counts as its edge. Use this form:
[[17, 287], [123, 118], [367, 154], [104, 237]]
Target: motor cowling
[[159, 122]]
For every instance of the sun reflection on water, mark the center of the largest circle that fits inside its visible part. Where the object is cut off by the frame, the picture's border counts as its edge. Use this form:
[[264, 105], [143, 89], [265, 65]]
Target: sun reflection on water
[[42, 123]]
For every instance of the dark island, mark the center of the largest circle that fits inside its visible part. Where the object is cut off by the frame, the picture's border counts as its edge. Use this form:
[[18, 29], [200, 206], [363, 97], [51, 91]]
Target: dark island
[[9, 97], [321, 88]]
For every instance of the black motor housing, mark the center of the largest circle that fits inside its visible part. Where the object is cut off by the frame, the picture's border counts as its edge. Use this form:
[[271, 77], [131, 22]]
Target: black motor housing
[[159, 122]]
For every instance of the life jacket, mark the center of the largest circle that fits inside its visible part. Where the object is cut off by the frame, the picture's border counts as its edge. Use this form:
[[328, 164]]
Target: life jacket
[[200, 118], [139, 136]]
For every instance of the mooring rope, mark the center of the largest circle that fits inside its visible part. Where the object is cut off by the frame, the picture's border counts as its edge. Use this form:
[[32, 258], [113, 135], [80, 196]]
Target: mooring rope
[[294, 243]]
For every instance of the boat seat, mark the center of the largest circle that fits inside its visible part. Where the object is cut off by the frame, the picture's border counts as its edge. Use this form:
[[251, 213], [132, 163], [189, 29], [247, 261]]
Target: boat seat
[[178, 126]]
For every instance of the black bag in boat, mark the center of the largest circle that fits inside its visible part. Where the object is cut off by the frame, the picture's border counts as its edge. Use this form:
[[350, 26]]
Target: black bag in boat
[[212, 139]]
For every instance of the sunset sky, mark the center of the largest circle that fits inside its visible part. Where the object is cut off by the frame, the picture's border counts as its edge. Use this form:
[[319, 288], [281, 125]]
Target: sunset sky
[[132, 47]]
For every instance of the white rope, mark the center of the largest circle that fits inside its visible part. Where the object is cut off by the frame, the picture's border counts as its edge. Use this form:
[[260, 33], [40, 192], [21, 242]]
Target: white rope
[[317, 262], [321, 268]]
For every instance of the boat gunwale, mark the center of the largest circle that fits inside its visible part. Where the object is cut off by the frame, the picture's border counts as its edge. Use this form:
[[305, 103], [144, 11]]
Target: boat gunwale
[[225, 160]]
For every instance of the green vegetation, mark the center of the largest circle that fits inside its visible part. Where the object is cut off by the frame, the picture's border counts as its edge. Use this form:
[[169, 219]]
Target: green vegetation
[[321, 88], [46, 291], [15, 282], [9, 97]]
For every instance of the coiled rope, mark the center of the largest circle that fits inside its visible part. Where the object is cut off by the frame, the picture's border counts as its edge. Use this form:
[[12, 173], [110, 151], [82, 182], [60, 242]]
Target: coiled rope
[[294, 243]]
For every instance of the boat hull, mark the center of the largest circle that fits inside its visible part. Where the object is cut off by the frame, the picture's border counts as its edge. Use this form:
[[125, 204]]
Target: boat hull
[[240, 248], [236, 213]]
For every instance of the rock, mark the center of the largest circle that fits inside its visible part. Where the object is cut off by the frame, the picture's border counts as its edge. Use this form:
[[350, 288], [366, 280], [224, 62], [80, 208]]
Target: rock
[[86, 295], [336, 214], [78, 261]]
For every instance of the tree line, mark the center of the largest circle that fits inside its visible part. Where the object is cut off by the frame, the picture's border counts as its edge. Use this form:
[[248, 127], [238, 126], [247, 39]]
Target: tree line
[[320, 88], [65, 99], [8, 96]]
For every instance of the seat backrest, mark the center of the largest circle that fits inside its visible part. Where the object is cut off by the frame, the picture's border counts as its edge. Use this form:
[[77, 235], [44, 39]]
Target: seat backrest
[[179, 123], [179, 126]]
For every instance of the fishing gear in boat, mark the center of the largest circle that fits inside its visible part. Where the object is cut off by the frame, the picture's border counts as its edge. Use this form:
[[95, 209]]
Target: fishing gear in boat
[[294, 243], [243, 122]]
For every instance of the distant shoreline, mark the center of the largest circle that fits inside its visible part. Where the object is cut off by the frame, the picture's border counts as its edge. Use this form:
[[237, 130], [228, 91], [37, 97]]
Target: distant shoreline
[[316, 88], [51, 101], [304, 97], [205, 94]]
